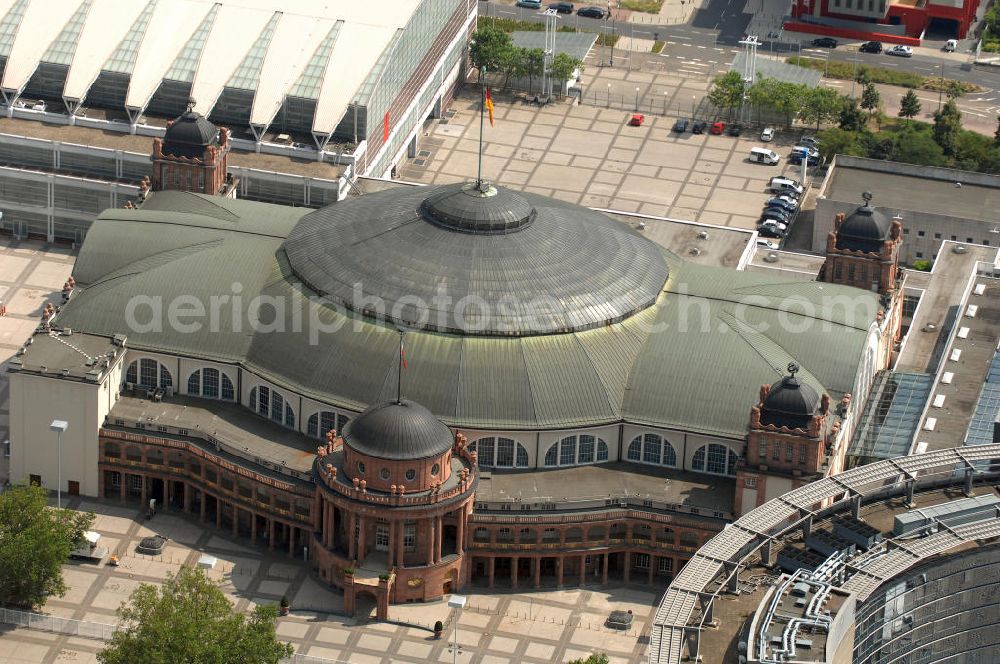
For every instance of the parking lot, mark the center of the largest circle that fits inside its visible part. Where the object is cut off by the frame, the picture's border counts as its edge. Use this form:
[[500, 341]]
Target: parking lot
[[496, 627], [590, 156]]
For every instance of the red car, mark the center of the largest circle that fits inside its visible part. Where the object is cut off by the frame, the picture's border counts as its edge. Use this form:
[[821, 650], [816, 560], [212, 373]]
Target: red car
[[718, 128], [636, 120]]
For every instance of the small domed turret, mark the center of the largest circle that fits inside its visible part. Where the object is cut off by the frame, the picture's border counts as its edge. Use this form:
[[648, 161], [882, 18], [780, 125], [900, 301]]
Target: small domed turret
[[790, 402]]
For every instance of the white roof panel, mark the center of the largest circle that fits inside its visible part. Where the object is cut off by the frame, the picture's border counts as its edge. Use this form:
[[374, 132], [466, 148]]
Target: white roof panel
[[354, 54], [234, 32], [170, 27], [292, 46], [43, 21], [107, 24]]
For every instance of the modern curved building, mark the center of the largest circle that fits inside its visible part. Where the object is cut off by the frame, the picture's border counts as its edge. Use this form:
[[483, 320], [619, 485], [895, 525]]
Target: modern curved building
[[510, 386], [356, 72]]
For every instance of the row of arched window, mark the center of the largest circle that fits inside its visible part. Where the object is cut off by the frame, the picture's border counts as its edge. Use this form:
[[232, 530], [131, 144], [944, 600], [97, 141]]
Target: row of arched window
[[576, 450], [661, 535], [493, 451]]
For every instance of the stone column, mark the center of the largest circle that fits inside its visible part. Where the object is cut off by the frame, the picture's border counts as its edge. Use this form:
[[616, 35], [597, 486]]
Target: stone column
[[652, 568], [292, 532], [438, 537], [460, 531], [236, 520], [218, 513], [187, 498], [202, 506], [492, 570], [351, 542], [166, 493], [537, 562], [361, 538], [583, 569], [628, 565], [431, 538], [513, 571], [390, 553], [270, 534], [253, 527], [604, 572], [560, 564], [401, 546], [123, 485]]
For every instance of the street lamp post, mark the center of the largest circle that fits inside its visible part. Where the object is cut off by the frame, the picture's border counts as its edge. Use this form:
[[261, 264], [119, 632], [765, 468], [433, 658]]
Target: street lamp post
[[59, 426], [456, 602], [637, 99], [609, 95]]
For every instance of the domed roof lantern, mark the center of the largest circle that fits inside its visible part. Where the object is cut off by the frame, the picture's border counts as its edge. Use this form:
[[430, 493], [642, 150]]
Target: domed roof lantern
[[865, 229], [190, 134], [398, 430], [790, 402]]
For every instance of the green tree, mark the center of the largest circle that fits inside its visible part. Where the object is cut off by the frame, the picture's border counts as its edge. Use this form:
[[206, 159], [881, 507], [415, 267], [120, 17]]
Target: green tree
[[972, 150], [490, 48], [917, 146], [954, 90], [836, 141], [35, 541], [870, 99], [996, 134], [727, 91], [947, 126], [513, 63], [563, 66], [188, 619], [820, 105], [534, 65], [909, 105], [851, 118], [596, 658]]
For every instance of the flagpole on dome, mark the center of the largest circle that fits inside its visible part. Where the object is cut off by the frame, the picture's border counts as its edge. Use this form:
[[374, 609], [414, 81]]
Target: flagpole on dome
[[482, 109], [399, 372]]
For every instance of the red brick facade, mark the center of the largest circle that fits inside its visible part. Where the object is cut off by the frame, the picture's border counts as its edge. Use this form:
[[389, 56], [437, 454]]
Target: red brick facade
[[205, 174]]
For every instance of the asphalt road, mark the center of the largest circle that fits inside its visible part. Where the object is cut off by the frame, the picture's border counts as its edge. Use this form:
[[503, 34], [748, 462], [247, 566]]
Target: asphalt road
[[715, 31]]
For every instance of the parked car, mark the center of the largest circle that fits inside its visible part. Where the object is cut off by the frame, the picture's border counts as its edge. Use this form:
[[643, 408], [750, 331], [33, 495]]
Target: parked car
[[871, 47], [734, 130], [562, 7], [774, 221], [681, 125], [805, 149], [699, 127], [782, 203], [777, 214], [825, 42], [951, 45], [764, 156], [781, 184], [764, 243], [769, 230], [809, 142], [767, 135], [591, 12], [718, 128], [811, 160], [901, 51], [529, 4], [636, 120]]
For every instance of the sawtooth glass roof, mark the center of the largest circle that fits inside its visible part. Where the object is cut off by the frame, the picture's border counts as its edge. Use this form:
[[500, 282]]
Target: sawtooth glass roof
[[712, 334], [261, 45]]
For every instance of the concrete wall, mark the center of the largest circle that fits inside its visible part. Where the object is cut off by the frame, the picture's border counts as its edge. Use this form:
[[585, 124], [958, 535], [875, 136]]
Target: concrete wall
[[37, 400]]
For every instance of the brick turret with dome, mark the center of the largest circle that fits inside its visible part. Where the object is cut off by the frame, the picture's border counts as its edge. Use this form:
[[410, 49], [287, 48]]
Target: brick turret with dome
[[192, 156], [397, 489]]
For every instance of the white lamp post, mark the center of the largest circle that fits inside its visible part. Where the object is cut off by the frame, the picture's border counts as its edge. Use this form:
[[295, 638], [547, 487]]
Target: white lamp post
[[456, 602], [59, 426]]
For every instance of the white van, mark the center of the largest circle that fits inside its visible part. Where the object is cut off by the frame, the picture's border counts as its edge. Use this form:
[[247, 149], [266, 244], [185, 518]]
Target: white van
[[780, 184], [764, 156], [951, 45]]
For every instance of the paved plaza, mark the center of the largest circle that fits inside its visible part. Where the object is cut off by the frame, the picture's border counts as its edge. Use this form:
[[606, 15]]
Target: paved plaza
[[588, 155], [553, 625]]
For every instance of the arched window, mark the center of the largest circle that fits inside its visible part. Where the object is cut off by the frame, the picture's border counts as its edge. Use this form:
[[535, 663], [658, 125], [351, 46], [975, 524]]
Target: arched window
[[481, 535], [325, 420], [211, 383], [147, 372], [652, 448], [269, 403], [500, 452], [715, 459], [576, 450], [112, 450]]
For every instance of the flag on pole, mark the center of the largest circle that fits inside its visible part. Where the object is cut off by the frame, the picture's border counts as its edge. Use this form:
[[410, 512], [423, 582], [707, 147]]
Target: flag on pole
[[489, 105], [402, 357], [385, 128]]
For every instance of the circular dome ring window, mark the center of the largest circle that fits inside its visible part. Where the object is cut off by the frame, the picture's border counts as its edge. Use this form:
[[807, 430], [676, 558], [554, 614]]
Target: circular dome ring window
[[411, 475], [384, 473]]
